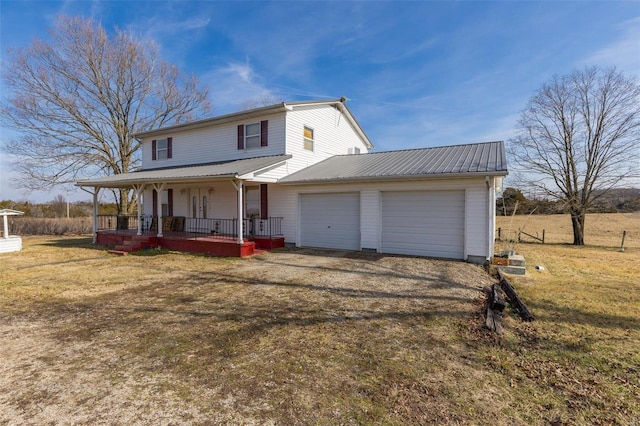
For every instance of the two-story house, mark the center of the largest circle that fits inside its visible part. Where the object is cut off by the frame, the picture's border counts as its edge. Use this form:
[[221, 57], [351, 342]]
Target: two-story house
[[301, 174]]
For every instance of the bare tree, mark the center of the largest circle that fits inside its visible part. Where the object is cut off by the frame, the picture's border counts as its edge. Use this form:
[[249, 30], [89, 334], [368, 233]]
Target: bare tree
[[262, 100], [59, 206], [78, 100], [579, 137]]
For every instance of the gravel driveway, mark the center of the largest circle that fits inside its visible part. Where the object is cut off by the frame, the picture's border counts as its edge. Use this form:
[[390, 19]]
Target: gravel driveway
[[288, 337]]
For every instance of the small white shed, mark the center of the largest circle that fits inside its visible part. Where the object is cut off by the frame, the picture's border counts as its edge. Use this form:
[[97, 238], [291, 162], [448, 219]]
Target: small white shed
[[9, 243]]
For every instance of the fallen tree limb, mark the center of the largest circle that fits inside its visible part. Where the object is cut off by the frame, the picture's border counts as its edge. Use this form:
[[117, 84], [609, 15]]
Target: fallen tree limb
[[514, 299], [495, 304]]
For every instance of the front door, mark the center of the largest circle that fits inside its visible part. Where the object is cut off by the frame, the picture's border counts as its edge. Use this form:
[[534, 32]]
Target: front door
[[199, 203]]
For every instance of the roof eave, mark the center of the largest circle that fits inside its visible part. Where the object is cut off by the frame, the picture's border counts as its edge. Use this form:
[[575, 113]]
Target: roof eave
[[437, 176], [345, 109], [227, 118], [130, 182]]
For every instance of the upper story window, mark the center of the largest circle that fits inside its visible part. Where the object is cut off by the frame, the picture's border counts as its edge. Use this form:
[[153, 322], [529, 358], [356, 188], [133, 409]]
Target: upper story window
[[253, 135], [308, 138], [161, 149]]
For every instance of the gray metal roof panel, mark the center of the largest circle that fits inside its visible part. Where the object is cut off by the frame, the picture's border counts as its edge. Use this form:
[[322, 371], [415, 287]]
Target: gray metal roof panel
[[229, 169], [479, 158]]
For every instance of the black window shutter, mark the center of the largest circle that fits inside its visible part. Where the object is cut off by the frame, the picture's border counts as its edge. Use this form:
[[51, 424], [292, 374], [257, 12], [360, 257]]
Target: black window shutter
[[155, 201], [170, 201], [240, 136], [264, 133], [264, 202], [169, 143], [153, 150]]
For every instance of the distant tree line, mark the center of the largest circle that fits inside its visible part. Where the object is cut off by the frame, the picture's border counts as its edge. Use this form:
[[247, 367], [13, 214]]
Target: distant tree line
[[57, 208], [624, 200]]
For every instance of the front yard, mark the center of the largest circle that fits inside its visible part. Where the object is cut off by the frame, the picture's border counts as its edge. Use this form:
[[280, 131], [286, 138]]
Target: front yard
[[287, 337]]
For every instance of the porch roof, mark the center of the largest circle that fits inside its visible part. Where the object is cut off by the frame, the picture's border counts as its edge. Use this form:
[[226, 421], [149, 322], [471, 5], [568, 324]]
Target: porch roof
[[224, 170]]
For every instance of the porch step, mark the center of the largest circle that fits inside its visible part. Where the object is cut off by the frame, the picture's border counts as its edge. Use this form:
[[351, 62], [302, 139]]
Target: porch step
[[133, 243], [126, 248], [118, 252]]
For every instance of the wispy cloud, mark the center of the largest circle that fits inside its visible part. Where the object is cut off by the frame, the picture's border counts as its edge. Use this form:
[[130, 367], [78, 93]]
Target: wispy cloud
[[623, 53], [234, 84]]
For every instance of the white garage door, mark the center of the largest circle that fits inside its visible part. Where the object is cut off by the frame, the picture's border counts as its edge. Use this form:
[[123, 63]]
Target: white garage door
[[423, 223], [330, 220]]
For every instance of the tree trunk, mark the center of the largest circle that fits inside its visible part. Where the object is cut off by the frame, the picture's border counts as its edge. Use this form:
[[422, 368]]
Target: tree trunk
[[577, 220], [124, 206]]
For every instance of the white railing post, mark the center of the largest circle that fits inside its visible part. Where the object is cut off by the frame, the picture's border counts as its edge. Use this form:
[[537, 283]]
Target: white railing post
[[95, 214], [159, 189], [139, 189], [240, 218]]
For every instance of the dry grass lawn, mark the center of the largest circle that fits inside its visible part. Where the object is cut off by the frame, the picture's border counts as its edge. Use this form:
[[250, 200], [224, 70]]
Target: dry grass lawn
[[581, 359], [316, 337], [291, 337]]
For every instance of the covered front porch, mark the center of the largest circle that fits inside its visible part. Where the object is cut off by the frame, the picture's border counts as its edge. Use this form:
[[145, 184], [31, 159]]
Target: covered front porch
[[194, 209], [216, 237]]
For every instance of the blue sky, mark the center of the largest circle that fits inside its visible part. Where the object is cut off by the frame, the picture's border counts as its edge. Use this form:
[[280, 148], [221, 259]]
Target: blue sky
[[417, 74]]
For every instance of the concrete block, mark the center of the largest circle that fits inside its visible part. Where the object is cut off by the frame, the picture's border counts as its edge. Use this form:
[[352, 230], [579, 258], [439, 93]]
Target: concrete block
[[513, 270], [516, 260]]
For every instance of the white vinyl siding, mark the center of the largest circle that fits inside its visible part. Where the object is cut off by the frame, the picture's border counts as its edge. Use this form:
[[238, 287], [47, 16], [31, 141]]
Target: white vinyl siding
[[423, 223], [330, 220], [217, 143], [286, 201], [332, 135]]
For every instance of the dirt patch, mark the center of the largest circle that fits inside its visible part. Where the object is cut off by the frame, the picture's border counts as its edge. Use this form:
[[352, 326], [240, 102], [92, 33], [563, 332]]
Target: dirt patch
[[288, 337]]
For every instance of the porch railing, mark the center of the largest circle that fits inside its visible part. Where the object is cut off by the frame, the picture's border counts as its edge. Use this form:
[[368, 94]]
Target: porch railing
[[117, 223], [194, 227]]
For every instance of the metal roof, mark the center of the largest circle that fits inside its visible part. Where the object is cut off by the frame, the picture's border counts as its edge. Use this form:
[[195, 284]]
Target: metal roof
[[487, 159], [259, 112], [228, 169]]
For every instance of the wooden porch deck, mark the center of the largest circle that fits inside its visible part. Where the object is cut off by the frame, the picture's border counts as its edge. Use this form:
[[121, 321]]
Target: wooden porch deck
[[127, 241]]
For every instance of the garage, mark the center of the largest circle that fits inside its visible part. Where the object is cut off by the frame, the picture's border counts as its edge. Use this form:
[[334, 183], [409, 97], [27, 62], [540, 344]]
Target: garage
[[330, 220], [423, 223]]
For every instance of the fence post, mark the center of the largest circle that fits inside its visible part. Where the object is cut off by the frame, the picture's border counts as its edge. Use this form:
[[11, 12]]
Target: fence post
[[543, 236], [499, 234], [624, 234]]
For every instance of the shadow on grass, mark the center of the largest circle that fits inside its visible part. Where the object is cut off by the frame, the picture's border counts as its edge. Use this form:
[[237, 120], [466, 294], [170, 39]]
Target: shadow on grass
[[551, 312], [73, 241], [230, 304], [438, 279]]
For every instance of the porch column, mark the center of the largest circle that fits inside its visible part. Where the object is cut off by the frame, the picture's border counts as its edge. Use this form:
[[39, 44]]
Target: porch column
[[138, 190], [238, 185], [95, 214], [159, 187], [6, 227], [491, 226]]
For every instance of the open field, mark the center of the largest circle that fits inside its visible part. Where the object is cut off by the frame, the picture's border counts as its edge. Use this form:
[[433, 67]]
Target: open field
[[601, 229], [585, 344], [314, 337]]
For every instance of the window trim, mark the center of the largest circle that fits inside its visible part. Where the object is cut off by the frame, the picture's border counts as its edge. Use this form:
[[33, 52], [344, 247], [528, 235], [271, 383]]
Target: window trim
[[253, 136], [306, 140], [156, 149], [259, 139]]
